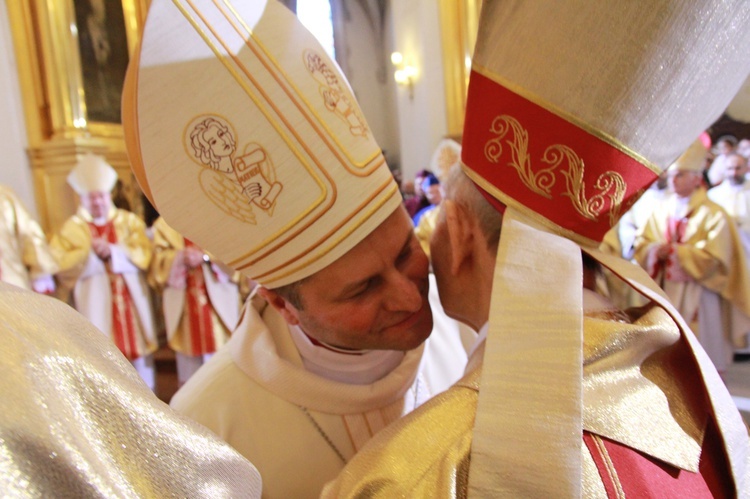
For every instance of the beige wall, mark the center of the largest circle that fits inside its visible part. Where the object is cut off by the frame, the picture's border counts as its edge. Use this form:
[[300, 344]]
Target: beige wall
[[408, 129], [366, 64], [421, 120], [15, 169]]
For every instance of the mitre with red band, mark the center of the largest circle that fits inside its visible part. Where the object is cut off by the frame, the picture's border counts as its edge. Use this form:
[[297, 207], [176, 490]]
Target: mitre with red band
[[248, 138], [574, 108], [572, 112]]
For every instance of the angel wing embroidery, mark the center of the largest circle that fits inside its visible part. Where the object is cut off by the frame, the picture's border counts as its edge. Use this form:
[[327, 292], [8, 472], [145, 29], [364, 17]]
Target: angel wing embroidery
[[227, 195]]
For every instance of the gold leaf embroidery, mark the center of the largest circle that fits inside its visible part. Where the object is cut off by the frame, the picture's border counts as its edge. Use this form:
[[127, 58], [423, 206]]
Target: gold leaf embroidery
[[540, 182], [609, 184], [335, 95], [609, 188]]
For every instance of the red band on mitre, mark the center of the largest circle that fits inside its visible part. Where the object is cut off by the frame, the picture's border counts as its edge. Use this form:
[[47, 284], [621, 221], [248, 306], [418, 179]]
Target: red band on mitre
[[531, 157]]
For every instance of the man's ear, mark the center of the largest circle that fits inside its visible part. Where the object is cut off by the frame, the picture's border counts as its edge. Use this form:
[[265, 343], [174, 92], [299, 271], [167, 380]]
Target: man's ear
[[286, 309], [460, 235]]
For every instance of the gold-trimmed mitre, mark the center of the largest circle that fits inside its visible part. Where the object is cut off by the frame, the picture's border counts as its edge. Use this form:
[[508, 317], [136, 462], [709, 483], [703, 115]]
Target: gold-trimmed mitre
[[249, 140], [573, 110], [92, 174], [446, 154], [692, 160]]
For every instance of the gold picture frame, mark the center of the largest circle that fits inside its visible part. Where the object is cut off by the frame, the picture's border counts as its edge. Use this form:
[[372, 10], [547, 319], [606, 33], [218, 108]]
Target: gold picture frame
[[458, 26], [85, 52], [58, 90]]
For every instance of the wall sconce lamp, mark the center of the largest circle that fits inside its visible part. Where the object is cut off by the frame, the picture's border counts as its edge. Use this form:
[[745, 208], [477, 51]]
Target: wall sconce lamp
[[405, 74]]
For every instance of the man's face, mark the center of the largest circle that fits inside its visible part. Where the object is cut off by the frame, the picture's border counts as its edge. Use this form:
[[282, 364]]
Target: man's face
[[684, 183], [434, 194], [372, 298], [736, 169], [418, 185], [97, 203], [725, 147]]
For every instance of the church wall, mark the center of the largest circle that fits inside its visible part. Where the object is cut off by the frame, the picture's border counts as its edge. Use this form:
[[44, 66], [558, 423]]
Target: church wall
[[15, 168], [366, 63], [421, 119]]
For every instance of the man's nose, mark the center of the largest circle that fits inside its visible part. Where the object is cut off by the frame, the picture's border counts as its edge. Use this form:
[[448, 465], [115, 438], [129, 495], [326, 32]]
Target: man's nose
[[403, 294]]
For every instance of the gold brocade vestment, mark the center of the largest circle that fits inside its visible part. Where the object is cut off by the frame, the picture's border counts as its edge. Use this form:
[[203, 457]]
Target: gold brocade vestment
[[24, 253], [630, 397], [201, 314]]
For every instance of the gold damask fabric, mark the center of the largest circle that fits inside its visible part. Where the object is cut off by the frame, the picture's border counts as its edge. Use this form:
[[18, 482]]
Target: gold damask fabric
[[77, 421], [710, 252], [24, 252], [424, 454], [629, 396], [182, 337], [72, 244]]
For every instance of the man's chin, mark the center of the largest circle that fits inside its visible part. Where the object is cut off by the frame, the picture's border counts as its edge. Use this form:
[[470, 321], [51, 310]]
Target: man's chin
[[418, 335]]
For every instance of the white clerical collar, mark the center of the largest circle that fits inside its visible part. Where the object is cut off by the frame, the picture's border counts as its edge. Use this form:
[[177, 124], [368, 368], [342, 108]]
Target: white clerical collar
[[361, 367], [681, 206], [481, 336]]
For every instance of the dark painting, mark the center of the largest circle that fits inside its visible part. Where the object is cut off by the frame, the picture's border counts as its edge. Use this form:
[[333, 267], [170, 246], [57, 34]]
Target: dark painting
[[103, 46]]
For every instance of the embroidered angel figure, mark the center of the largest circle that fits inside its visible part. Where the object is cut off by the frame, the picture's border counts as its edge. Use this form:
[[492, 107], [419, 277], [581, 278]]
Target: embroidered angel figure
[[335, 98], [234, 184]]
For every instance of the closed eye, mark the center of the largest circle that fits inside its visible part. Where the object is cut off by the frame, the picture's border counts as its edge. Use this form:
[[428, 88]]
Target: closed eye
[[364, 288], [405, 254]]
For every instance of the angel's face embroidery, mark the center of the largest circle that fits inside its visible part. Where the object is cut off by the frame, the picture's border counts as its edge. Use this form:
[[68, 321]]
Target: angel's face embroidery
[[233, 182], [213, 144]]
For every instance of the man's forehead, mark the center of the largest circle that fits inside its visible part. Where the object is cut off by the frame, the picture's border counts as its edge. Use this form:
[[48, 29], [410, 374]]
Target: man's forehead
[[736, 162], [387, 241]]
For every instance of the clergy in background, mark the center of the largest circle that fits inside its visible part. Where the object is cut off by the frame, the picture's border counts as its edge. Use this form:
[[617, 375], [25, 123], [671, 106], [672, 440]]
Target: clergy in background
[[25, 257], [692, 249], [200, 298], [104, 254]]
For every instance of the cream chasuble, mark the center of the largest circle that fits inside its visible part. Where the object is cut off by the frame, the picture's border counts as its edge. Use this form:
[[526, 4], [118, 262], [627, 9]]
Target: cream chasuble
[[298, 428], [735, 199]]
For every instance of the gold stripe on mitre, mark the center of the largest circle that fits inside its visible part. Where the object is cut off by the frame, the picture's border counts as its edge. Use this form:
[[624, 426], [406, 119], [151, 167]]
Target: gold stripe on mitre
[[252, 142]]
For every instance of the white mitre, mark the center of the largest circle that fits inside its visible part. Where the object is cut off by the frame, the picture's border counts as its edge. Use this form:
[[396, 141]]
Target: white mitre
[[92, 174], [249, 141], [446, 154]]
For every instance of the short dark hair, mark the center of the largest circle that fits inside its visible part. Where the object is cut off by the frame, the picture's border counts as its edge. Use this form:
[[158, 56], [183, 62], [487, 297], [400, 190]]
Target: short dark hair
[[290, 293]]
